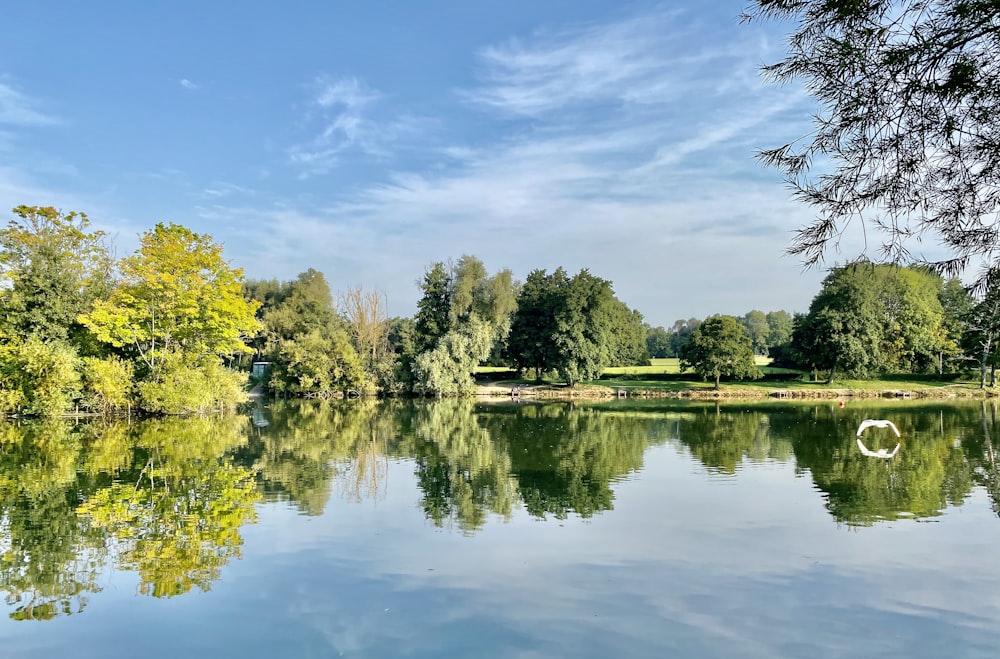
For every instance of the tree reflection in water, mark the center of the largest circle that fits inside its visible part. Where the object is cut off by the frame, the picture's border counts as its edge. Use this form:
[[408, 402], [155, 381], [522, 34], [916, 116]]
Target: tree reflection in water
[[167, 498]]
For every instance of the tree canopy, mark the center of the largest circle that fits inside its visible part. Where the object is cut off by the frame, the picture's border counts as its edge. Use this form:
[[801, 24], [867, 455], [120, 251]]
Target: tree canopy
[[720, 348], [177, 293], [906, 139]]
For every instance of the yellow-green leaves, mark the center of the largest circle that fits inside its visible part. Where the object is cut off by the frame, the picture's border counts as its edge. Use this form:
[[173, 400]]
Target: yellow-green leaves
[[176, 294]]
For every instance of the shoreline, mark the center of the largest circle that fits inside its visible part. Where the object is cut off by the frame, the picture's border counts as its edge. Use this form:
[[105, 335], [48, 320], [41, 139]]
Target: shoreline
[[599, 392]]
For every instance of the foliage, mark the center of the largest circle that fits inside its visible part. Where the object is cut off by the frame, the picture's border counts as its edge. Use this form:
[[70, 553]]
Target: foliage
[[658, 342], [447, 369], [317, 363], [574, 326], [177, 296], [779, 328], [530, 344], [870, 319], [54, 266], [181, 387], [956, 308], [432, 320], [38, 378], [456, 295], [720, 348], [909, 96], [757, 330], [584, 329], [680, 332], [627, 337], [108, 383], [982, 328]]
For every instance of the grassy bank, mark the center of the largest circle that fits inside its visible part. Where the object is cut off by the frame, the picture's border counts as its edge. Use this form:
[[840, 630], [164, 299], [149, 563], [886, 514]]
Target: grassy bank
[[664, 379]]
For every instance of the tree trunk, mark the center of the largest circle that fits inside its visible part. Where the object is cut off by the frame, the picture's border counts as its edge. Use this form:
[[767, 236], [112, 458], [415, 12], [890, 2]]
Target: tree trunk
[[833, 373], [717, 381], [987, 345]]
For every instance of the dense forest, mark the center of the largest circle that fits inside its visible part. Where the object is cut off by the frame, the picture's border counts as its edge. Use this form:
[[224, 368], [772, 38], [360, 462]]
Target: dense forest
[[174, 328]]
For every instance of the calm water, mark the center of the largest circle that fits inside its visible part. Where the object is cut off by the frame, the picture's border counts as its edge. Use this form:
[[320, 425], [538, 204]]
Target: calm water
[[459, 529]]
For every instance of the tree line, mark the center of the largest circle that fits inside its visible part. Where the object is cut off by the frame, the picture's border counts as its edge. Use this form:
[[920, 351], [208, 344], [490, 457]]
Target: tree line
[[174, 328], [570, 326]]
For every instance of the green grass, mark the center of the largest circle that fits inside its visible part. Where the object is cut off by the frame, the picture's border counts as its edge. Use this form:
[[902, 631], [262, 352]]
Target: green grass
[[645, 377]]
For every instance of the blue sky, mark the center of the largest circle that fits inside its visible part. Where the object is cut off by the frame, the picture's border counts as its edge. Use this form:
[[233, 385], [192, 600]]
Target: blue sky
[[368, 140]]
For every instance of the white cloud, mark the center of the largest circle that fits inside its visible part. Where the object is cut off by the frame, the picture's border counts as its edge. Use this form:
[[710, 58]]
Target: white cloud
[[187, 84], [16, 109], [338, 117], [637, 163]]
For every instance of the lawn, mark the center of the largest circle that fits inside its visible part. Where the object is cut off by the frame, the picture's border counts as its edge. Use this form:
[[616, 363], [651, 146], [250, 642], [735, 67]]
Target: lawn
[[665, 375]]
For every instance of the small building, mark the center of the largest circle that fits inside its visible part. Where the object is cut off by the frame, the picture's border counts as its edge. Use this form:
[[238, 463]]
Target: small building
[[259, 369]]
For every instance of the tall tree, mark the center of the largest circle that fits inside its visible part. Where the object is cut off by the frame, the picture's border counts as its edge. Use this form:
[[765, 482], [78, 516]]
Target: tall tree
[[468, 278], [177, 294], [680, 332], [755, 323], [906, 138], [54, 265], [433, 318], [720, 348], [779, 328], [568, 324], [868, 319], [658, 342], [538, 305], [956, 307]]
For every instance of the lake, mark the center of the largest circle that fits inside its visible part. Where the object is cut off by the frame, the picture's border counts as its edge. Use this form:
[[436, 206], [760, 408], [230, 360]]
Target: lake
[[470, 529]]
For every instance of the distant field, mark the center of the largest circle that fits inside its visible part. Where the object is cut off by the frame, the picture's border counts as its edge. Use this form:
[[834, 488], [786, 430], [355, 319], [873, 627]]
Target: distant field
[[646, 377], [673, 365], [668, 365]]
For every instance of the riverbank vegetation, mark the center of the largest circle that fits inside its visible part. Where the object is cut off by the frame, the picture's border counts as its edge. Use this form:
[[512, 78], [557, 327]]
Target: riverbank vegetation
[[175, 329]]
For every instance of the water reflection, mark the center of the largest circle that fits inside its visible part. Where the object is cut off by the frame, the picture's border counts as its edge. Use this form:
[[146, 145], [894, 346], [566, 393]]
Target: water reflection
[[156, 498], [165, 500]]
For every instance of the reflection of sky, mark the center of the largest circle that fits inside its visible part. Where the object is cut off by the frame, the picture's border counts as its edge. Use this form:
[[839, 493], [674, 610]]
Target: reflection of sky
[[685, 565]]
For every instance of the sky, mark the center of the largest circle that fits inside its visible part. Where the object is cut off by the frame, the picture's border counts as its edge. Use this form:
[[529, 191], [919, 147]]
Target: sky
[[370, 140]]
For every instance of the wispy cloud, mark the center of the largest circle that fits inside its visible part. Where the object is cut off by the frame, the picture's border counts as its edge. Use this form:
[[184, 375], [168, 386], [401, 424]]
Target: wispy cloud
[[17, 109], [629, 151], [220, 189], [189, 85], [590, 65], [338, 115]]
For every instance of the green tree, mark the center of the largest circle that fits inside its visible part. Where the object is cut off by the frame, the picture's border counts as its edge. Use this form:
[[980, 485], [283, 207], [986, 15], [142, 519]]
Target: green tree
[[658, 342], [779, 328], [868, 319], [446, 370], [468, 277], [627, 337], [53, 266], [956, 308], [318, 363], [530, 342], [38, 377], [907, 126], [680, 332], [720, 348], [584, 326], [176, 295], [758, 331], [433, 318], [982, 332], [572, 326]]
